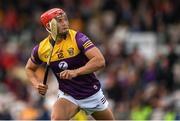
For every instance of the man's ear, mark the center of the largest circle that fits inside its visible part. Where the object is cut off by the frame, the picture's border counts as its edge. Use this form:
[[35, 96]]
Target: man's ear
[[48, 27]]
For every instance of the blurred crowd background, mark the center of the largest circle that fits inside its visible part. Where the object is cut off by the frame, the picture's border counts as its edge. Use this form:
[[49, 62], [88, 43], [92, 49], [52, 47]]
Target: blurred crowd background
[[140, 40]]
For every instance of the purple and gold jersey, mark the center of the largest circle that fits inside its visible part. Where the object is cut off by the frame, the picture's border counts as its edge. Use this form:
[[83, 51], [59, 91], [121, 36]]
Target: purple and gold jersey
[[69, 54]]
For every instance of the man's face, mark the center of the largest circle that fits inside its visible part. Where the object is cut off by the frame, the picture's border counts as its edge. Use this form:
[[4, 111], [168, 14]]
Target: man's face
[[63, 23]]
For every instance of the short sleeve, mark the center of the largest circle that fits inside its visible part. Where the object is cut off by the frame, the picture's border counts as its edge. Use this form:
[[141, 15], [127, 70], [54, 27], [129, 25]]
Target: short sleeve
[[83, 42], [34, 55]]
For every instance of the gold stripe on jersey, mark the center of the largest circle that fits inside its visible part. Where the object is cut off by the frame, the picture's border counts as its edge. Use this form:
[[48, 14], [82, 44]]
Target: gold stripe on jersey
[[88, 45], [62, 50], [87, 42]]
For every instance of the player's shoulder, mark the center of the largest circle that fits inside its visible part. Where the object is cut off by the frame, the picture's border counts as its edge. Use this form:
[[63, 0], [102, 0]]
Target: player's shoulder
[[81, 37], [44, 41], [42, 45], [77, 34]]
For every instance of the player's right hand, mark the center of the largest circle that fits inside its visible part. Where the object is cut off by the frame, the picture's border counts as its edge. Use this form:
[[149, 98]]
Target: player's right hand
[[42, 89]]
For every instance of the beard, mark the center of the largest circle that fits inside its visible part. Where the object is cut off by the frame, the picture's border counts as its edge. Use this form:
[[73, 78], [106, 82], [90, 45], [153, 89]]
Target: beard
[[63, 34]]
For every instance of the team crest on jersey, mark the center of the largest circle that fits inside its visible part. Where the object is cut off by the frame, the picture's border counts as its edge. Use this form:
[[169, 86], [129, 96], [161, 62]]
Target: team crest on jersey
[[63, 65], [70, 51], [45, 56]]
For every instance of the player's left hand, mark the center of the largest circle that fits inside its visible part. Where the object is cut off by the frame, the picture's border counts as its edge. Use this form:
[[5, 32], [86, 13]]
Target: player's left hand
[[68, 74]]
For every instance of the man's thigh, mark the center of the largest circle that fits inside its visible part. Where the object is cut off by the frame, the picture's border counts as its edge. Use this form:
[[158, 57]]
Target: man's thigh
[[103, 115], [63, 109]]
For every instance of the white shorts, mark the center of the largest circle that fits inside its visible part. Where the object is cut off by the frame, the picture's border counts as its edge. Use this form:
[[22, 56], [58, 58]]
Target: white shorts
[[96, 102]]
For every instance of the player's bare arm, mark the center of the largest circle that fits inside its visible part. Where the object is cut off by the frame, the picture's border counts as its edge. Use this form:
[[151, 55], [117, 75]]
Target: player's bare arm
[[96, 62], [30, 71]]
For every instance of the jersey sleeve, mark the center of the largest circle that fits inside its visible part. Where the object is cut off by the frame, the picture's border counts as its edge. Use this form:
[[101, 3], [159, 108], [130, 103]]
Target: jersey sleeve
[[34, 55], [83, 42]]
